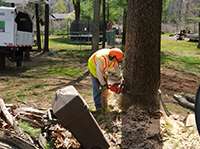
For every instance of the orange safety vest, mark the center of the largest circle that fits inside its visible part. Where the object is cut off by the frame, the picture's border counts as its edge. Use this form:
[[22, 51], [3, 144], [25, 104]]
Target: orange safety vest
[[101, 55]]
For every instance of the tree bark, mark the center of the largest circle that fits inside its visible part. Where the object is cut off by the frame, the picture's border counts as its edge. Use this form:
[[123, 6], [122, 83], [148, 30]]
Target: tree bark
[[124, 28], [108, 11], [6, 114], [198, 46], [142, 55], [104, 22], [46, 32], [77, 9], [38, 26], [96, 20]]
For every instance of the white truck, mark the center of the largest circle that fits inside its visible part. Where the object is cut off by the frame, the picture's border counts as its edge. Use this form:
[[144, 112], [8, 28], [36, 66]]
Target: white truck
[[16, 35]]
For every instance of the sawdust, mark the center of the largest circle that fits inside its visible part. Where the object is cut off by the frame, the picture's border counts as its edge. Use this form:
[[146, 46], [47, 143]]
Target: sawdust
[[134, 128], [176, 134]]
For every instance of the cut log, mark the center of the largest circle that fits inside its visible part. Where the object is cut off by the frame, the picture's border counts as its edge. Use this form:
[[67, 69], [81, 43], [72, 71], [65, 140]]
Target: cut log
[[30, 110], [32, 122], [49, 114], [190, 98], [15, 141], [9, 118], [5, 146], [31, 116], [184, 102]]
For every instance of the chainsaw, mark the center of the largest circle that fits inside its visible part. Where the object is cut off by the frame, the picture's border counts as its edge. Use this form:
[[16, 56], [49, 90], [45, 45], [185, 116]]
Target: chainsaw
[[115, 81], [116, 87]]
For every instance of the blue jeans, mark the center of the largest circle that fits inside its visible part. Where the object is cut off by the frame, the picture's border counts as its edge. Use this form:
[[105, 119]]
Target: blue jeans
[[96, 92]]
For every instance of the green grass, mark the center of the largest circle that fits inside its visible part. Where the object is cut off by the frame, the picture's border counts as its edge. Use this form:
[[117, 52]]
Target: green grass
[[177, 45], [21, 95], [62, 42], [181, 55], [26, 127], [9, 95], [49, 145], [36, 86], [39, 78], [69, 71]]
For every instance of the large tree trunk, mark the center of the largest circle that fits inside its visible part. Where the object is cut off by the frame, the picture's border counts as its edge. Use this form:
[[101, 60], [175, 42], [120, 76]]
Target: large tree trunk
[[77, 9], [142, 61], [96, 20]]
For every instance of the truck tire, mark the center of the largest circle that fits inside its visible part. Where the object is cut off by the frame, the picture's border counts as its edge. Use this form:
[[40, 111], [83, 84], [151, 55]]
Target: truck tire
[[19, 63], [19, 57], [2, 60], [197, 109]]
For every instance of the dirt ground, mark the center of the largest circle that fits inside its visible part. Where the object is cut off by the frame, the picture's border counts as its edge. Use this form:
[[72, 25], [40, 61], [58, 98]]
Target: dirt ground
[[174, 81], [119, 128], [177, 82]]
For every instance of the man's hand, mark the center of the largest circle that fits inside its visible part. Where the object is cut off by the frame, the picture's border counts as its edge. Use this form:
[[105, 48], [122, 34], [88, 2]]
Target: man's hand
[[104, 87]]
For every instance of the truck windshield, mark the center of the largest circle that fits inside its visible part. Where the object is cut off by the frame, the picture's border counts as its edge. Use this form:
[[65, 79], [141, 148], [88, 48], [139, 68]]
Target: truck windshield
[[24, 22], [2, 26]]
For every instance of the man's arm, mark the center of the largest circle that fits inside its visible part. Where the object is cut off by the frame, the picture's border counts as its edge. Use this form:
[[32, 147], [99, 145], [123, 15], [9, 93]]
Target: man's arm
[[99, 72]]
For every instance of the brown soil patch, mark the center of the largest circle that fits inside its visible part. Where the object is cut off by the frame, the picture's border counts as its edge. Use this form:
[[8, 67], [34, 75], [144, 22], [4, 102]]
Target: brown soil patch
[[174, 81]]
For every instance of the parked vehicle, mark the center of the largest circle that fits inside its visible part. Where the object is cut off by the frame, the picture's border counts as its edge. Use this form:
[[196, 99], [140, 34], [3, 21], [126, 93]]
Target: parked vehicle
[[16, 35], [193, 37]]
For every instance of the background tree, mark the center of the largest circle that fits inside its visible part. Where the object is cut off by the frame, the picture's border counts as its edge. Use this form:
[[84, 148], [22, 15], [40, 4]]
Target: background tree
[[46, 29], [193, 16], [165, 8], [116, 8], [96, 21], [60, 7], [142, 55], [77, 9], [104, 23], [124, 28], [87, 9]]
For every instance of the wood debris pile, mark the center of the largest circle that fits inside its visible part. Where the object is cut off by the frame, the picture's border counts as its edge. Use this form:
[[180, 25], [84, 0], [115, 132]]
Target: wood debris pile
[[13, 136], [179, 134]]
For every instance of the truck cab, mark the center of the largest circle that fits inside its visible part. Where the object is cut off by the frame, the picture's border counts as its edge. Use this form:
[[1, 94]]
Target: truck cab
[[16, 35]]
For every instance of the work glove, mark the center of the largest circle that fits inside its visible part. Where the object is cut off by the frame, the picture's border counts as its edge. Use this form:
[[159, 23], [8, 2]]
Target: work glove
[[103, 88]]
